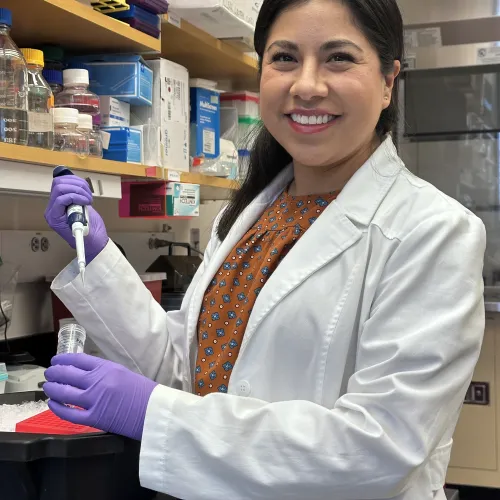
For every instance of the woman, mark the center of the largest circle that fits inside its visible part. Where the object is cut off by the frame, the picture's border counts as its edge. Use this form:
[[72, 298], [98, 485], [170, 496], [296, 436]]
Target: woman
[[325, 346]]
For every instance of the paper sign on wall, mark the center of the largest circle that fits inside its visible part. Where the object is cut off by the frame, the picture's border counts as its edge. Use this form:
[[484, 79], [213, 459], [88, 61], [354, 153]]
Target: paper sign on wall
[[423, 37], [488, 55]]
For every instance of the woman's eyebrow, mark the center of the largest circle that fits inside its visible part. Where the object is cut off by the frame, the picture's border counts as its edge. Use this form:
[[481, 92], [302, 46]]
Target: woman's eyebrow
[[329, 45]]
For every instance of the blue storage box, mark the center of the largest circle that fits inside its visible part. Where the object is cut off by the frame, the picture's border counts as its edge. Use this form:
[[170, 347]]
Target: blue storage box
[[125, 77], [125, 144], [140, 19], [205, 123]]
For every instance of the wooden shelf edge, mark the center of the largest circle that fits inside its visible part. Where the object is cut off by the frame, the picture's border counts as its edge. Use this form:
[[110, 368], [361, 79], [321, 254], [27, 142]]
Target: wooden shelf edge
[[191, 178], [215, 43], [36, 156], [90, 15]]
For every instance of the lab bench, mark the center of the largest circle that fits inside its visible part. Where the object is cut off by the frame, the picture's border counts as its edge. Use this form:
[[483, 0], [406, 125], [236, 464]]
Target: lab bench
[[475, 457]]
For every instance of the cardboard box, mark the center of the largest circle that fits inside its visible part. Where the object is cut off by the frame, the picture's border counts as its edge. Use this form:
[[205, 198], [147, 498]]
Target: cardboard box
[[125, 77], [114, 113], [220, 18], [159, 199], [169, 113], [151, 144], [125, 145], [205, 123], [183, 199]]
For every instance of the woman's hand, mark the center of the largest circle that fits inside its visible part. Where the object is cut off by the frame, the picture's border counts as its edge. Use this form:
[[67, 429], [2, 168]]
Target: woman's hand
[[68, 190], [111, 397]]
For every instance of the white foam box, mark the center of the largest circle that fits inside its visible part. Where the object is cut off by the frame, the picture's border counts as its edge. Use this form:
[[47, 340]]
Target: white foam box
[[114, 113], [220, 18], [169, 113]]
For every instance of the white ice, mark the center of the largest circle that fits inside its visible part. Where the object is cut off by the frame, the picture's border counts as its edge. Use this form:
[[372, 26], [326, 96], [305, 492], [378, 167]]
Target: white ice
[[10, 415]]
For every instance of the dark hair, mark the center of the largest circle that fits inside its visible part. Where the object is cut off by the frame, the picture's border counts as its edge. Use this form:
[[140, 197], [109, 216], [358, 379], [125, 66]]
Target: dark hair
[[382, 24]]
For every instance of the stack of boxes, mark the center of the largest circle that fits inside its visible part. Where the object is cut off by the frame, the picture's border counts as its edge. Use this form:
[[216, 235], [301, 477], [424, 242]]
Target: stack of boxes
[[246, 105], [121, 80], [143, 15]]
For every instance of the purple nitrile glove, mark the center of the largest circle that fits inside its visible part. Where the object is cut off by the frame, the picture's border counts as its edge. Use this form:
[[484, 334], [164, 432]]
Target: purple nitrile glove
[[111, 397], [68, 190]]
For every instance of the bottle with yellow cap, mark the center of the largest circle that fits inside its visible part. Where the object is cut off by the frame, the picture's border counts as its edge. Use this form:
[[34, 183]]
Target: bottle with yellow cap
[[40, 102]]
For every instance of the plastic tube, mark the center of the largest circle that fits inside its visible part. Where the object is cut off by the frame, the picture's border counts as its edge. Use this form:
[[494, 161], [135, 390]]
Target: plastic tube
[[71, 339]]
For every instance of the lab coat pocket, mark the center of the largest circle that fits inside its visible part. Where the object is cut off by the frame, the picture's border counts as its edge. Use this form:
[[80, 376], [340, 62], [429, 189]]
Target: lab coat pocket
[[438, 465]]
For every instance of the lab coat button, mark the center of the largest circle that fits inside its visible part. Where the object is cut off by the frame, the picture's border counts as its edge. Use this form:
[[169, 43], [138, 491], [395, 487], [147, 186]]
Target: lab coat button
[[244, 388]]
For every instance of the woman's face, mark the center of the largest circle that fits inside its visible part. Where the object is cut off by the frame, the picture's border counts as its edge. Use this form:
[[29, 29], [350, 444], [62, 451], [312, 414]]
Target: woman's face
[[322, 90]]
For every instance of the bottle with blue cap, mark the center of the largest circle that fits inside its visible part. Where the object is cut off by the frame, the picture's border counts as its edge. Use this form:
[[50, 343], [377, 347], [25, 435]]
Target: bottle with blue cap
[[13, 86]]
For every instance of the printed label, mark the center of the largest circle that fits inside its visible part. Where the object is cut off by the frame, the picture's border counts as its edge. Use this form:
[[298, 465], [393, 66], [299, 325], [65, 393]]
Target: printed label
[[209, 142], [105, 138], [424, 37], [40, 122], [488, 55], [173, 176], [174, 19]]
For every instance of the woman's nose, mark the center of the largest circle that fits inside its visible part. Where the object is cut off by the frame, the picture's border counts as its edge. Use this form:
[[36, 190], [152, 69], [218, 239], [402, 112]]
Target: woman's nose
[[309, 84]]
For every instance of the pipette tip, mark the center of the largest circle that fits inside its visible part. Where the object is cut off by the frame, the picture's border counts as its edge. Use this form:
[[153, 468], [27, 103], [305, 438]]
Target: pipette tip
[[82, 275]]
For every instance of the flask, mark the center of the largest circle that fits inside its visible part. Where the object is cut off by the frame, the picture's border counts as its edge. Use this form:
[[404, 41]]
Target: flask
[[76, 93], [94, 136], [13, 86], [40, 102], [67, 137], [55, 80]]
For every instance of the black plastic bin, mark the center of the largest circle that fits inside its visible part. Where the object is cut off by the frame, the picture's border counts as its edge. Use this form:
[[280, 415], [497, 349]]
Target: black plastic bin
[[87, 467]]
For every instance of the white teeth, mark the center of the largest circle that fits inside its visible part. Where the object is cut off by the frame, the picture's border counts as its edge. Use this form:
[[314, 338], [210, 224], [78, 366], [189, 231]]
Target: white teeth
[[312, 120]]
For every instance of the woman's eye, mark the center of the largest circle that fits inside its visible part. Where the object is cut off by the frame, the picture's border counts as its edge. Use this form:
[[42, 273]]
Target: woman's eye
[[281, 57], [339, 58]]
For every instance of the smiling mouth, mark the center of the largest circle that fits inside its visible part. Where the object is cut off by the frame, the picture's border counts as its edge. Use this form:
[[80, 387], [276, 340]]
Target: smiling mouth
[[312, 119]]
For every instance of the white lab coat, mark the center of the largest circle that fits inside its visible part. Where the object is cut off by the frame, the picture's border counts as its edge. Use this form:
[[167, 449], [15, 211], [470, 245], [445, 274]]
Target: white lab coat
[[354, 364]]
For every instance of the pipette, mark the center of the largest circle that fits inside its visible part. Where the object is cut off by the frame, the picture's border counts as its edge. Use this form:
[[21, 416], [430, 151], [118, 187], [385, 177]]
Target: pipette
[[77, 217]]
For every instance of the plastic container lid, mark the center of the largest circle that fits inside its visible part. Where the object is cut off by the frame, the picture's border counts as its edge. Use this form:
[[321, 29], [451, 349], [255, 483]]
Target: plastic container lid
[[85, 122], [65, 115], [53, 53], [240, 96], [6, 17], [75, 76], [33, 56], [53, 76], [248, 120]]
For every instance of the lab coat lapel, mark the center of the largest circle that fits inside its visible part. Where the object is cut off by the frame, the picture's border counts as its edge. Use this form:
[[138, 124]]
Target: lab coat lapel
[[338, 228]]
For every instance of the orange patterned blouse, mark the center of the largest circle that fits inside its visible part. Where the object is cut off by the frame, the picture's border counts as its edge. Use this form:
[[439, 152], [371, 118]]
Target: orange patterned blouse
[[229, 299]]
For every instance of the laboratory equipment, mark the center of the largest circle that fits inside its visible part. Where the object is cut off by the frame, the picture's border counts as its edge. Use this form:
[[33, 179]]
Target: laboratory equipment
[[78, 220], [13, 86], [24, 377], [85, 125], [55, 80], [67, 137], [71, 339], [49, 423], [94, 466], [40, 102], [179, 269], [3, 377], [76, 93]]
